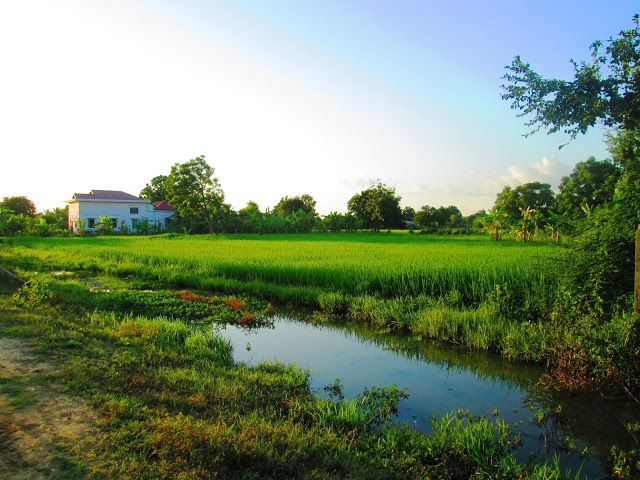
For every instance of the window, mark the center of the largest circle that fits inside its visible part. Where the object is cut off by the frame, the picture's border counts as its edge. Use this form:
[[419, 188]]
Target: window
[[134, 222], [91, 223], [133, 210]]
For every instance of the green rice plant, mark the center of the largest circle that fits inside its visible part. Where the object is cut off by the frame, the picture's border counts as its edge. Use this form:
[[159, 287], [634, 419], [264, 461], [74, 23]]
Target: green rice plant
[[467, 290], [203, 344]]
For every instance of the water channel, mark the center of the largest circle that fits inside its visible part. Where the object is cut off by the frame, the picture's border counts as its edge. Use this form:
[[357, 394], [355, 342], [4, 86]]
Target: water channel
[[579, 429]]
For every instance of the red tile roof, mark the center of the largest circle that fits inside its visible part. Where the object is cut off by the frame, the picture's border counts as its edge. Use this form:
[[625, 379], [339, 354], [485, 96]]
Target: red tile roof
[[162, 205], [105, 195]]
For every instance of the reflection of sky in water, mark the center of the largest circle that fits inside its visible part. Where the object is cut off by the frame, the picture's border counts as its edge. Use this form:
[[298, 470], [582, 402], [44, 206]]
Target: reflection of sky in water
[[435, 386]]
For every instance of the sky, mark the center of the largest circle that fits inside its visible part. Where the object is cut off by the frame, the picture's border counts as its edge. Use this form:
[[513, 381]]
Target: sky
[[286, 97]]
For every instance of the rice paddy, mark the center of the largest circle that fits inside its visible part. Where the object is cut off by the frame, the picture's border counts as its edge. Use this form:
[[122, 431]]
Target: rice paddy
[[490, 295]]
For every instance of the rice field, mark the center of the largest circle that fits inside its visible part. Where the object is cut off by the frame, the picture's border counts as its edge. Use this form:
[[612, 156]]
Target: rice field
[[468, 290], [385, 265]]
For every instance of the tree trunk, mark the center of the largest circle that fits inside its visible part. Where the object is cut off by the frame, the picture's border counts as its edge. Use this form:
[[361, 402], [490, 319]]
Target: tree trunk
[[636, 303]]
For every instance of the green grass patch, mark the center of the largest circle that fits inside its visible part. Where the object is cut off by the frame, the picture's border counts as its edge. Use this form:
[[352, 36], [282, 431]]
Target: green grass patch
[[172, 403]]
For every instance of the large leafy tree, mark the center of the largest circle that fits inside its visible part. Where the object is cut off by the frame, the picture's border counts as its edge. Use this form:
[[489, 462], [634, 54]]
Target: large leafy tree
[[196, 194], [156, 189], [429, 217], [590, 184], [290, 205], [19, 205], [377, 207], [604, 91], [534, 195]]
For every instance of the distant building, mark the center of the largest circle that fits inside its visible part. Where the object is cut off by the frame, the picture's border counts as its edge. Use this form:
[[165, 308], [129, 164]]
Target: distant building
[[124, 209]]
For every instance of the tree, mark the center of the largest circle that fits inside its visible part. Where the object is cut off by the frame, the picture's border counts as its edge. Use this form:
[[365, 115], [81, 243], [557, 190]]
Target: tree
[[495, 221], [590, 184], [19, 205], [196, 194], [604, 91], [377, 207], [408, 213], [535, 195], [288, 206], [156, 189], [57, 217], [425, 217]]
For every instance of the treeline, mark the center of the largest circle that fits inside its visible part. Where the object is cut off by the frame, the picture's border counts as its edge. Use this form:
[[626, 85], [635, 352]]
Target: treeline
[[531, 210], [18, 216], [525, 212]]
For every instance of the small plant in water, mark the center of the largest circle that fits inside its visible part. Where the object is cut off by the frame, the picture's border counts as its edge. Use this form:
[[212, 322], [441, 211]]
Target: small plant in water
[[335, 390]]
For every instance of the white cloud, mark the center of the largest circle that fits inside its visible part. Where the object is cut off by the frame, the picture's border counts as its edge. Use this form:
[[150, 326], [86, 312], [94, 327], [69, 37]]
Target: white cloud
[[548, 170]]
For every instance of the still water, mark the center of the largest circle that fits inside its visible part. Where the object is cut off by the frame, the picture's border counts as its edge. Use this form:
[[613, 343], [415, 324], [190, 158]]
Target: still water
[[579, 429]]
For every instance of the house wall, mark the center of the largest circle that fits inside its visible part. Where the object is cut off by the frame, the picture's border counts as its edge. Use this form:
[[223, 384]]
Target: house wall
[[72, 217], [90, 211]]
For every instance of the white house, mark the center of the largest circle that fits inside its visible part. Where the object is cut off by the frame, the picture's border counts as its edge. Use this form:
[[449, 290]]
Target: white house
[[125, 209]]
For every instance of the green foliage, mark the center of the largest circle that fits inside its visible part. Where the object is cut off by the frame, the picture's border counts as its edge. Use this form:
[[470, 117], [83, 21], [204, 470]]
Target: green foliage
[[289, 206], [603, 90], [625, 465], [196, 195], [431, 218], [34, 292], [591, 183], [495, 222], [19, 206], [105, 225], [534, 195], [377, 207], [599, 269], [13, 224], [156, 189]]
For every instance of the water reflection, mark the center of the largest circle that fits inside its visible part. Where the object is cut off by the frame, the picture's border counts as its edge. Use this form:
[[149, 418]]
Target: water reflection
[[441, 378]]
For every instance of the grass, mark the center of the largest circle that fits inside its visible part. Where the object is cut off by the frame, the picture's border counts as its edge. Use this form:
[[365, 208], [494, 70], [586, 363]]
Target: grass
[[495, 296], [172, 403]]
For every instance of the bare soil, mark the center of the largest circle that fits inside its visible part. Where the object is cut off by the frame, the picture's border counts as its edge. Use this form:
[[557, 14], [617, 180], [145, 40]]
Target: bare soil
[[30, 435]]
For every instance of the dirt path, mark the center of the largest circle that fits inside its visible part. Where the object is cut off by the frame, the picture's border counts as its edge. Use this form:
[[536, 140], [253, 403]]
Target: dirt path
[[35, 416]]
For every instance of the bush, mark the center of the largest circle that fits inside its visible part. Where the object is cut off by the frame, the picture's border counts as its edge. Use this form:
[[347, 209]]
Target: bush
[[34, 292]]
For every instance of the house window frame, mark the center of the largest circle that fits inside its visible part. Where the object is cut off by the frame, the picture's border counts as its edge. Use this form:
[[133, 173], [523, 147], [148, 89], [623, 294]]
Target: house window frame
[[133, 211]]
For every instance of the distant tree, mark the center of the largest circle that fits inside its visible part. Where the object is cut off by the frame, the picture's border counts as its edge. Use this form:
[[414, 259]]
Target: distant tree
[[535, 195], [474, 221], [57, 217], [495, 222], [408, 213], [156, 189], [19, 205], [425, 217], [526, 224], [12, 223], [431, 218], [590, 184], [196, 194], [333, 221], [377, 207], [290, 205]]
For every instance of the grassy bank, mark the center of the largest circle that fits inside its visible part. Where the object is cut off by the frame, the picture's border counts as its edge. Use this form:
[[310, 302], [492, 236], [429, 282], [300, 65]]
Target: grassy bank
[[170, 402], [488, 295]]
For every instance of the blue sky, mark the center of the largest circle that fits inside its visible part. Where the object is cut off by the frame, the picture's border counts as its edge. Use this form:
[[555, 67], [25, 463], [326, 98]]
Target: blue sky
[[286, 97]]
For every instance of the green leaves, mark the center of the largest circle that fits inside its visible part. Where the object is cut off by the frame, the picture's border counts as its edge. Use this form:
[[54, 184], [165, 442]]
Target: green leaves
[[603, 90]]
